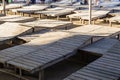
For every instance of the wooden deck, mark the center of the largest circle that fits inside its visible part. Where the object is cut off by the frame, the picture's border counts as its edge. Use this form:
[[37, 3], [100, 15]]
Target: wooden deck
[[104, 68], [44, 51], [16, 18]]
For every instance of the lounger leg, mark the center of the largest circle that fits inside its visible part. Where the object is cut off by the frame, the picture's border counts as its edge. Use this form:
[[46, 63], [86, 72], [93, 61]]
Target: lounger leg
[[91, 40], [15, 70], [80, 21], [58, 17], [20, 73], [39, 16], [118, 36], [28, 15], [110, 23], [41, 75], [83, 21]]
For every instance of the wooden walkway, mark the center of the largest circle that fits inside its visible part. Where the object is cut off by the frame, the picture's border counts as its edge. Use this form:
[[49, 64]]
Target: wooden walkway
[[9, 31], [44, 51], [106, 67], [16, 18]]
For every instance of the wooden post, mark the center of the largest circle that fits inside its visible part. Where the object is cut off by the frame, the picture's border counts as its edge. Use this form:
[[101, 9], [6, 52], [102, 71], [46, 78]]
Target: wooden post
[[4, 4], [90, 11], [41, 75]]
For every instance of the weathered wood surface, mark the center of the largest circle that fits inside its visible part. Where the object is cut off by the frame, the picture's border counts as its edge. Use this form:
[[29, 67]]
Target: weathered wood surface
[[85, 15], [115, 14], [106, 67], [39, 53], [56, 12], [30, 9], [16, 18], [13, 6], [11, 30], [47, 23], [98, 46], [97, 30], [115, 19], [109, 4]]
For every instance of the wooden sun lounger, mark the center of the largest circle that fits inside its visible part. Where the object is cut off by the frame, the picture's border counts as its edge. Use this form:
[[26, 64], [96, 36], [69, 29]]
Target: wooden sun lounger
[[115, 13], [109, 4], [49, 24], [8, 31], [13, 6], [16, 18], [104, 68], [114, 19], [44, 51], [56, 12], [97, 31], [85, 15], [30, 9], [63, 3]]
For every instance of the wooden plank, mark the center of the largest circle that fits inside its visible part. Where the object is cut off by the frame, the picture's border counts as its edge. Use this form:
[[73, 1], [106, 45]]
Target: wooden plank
[[98, 47], [93, 74], [102, 72], [107, 68]]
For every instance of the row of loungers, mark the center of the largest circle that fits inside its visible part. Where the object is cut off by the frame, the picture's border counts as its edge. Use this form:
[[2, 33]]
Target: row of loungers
[[49, 48], [41, 10], [13, 26], [97, 32], [61, 11], [104, 68], [44, 51]]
